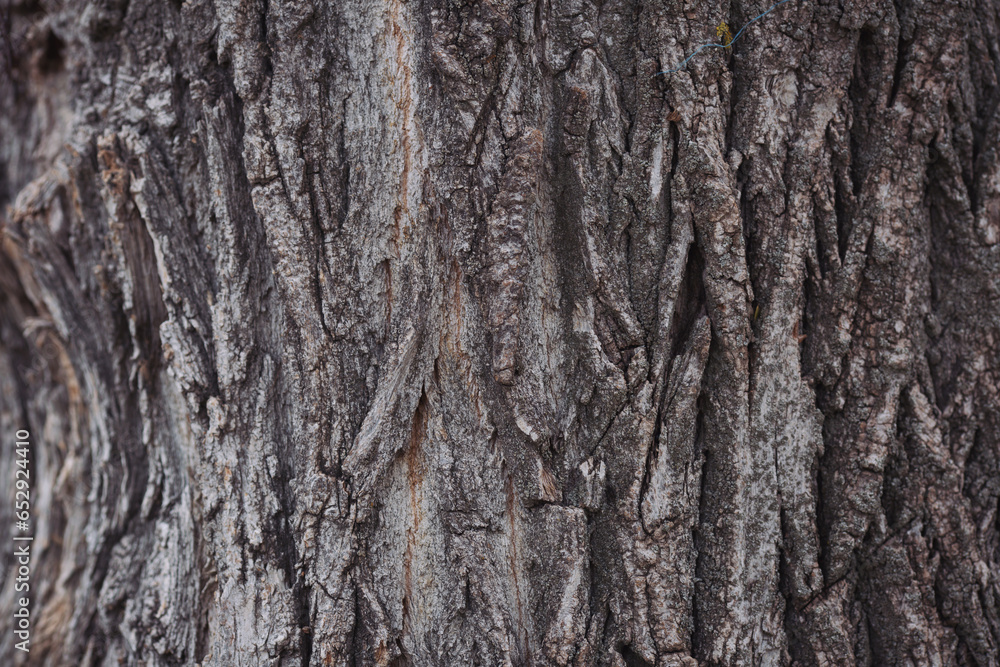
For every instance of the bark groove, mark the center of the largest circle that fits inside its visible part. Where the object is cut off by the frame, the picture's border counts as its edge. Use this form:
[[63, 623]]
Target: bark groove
[[426, 332]]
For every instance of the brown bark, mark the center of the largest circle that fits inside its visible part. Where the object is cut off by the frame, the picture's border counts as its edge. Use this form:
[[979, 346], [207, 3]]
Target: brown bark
[[440, 333]]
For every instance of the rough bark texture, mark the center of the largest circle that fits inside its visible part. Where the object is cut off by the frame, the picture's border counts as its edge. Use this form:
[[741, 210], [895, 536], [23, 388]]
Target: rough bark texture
[[427, 332]]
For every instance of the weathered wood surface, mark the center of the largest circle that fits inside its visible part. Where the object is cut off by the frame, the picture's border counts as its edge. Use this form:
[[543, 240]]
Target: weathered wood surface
[[441, 333]]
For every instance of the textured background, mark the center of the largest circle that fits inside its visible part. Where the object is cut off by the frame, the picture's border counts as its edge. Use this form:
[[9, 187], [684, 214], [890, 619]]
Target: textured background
[[419, 333]]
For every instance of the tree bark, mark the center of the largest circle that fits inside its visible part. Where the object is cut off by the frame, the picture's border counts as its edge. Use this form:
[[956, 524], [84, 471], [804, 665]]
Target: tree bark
[[421, 332]]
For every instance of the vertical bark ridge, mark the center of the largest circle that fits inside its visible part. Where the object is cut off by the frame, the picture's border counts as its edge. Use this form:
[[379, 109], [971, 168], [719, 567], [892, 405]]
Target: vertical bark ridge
[[429, 333]]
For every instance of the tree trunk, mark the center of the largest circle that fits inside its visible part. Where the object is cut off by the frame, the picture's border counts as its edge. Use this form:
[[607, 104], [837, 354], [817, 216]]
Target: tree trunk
[[425, 333]]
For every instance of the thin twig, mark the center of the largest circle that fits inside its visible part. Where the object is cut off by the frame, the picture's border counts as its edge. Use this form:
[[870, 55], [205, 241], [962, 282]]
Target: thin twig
[[721, 46]]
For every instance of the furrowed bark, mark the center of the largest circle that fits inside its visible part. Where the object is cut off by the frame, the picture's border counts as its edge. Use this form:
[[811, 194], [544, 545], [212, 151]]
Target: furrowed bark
[[437, 333]]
